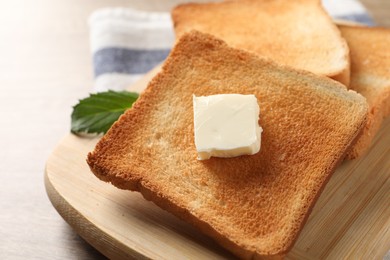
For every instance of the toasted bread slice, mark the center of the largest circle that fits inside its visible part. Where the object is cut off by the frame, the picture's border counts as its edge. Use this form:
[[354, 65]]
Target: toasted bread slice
[[370, 76], [298, 33], [253, 205]]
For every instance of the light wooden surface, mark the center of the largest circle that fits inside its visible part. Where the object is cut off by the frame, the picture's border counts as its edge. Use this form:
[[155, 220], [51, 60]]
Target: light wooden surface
[[350, 220], [45, 67]]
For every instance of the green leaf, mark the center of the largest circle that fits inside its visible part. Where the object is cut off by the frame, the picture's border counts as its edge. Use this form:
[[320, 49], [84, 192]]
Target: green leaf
[[96, 113]]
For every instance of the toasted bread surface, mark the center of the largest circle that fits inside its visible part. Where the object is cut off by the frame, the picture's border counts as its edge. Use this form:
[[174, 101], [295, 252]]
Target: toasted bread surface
[[255, 205], [370, 76], [298, 33]]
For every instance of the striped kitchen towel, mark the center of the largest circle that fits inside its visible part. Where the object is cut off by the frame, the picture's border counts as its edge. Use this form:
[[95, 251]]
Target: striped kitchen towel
[[127, 43]]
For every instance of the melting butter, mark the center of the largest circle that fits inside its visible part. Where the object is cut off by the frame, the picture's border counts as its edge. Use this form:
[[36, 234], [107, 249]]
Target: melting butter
[[226, 125]]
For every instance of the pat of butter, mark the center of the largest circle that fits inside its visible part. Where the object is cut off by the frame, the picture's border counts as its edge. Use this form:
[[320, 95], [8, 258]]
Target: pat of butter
[[226, 125]]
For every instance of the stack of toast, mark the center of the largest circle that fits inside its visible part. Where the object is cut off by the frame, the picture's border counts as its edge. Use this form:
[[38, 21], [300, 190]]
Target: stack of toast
[[323, 91], [370, 77]]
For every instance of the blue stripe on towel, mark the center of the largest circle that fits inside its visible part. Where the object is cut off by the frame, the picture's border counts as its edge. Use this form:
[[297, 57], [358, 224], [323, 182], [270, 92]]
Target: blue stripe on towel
[[362, 18], [127, 61]]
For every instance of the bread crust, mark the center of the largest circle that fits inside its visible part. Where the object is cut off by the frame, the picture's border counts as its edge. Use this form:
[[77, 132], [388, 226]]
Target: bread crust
[[370, 76], [255, 206], [297, 33]]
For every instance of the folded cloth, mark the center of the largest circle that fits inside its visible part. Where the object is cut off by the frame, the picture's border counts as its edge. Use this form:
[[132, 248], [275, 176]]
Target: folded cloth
[[128, 43]]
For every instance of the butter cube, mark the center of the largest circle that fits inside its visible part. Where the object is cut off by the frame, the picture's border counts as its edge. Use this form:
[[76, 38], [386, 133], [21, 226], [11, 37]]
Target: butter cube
[[226, 125]]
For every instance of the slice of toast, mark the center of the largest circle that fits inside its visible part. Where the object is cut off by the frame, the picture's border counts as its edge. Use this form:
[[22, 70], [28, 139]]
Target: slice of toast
[[370, 76], [254, 205], [298, 33]]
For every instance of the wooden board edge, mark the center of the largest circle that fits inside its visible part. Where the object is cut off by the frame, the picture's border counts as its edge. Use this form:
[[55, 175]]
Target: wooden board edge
[[86, 229]]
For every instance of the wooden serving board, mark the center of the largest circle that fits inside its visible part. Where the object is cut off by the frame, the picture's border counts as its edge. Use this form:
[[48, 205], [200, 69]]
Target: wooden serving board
[[351, 219]]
